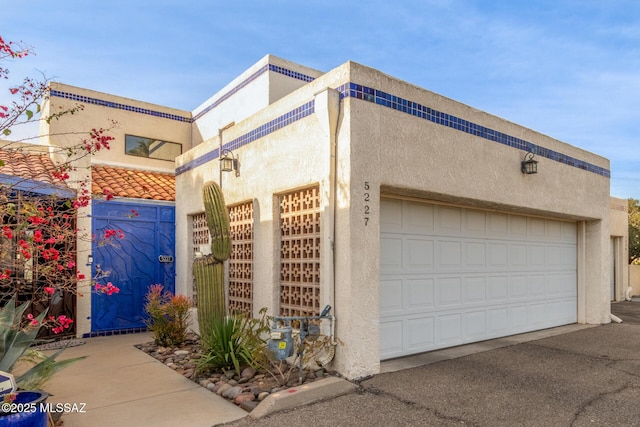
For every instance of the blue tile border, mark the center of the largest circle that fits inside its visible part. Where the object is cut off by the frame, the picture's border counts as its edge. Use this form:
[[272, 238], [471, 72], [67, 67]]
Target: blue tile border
[[388, 100], [278, 123], [252, 77], [115, 332], [103, 103], [118, 106]]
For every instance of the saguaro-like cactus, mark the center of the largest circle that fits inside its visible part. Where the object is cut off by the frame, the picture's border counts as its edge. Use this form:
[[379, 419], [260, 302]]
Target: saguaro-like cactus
[[209, 270]]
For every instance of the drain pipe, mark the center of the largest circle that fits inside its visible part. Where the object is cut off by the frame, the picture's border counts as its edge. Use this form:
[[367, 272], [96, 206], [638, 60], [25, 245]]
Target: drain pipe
[[327, 109]]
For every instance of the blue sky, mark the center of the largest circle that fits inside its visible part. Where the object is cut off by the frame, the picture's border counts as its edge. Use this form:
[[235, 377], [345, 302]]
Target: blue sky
[[567, 68]]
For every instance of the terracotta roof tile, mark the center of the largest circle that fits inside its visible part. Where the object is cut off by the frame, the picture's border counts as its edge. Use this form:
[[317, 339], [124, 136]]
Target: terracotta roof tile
[[139, 184], [22, 163]]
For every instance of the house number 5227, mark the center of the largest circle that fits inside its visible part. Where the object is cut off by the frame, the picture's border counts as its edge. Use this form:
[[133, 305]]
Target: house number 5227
[[367, 198]]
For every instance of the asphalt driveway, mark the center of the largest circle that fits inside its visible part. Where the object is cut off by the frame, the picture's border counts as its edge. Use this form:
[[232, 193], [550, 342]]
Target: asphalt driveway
[[588, 377]]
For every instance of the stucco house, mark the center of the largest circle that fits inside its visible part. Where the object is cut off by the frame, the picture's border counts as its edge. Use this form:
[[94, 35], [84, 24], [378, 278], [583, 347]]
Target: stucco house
[[409, 213]]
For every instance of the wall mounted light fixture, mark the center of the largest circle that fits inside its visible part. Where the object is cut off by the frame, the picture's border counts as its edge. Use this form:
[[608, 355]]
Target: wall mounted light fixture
[[89, 259], [528, 165], [228, 162]]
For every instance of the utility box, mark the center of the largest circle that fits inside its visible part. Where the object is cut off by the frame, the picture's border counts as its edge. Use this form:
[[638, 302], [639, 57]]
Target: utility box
[[281, 343]]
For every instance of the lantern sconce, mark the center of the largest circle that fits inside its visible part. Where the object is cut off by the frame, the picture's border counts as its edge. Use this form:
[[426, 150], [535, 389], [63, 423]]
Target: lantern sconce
[[528, 165], [229, 162], [89, 259]]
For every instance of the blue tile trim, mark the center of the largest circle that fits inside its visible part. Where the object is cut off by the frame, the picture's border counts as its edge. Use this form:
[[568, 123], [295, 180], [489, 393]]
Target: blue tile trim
[[257, 133], [114, 332], [379, 97], [252, 77], [118, 106]]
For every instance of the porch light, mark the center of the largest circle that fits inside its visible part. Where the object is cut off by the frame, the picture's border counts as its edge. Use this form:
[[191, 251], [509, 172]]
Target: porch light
[[528, 165], [228, 162], [89, 259]]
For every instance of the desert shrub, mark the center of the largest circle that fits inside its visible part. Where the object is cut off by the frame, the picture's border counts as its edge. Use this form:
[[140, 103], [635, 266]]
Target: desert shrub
[[234, 342], [168, 316]]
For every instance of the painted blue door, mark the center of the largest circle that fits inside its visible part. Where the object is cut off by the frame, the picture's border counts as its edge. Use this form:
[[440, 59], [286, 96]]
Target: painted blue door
[[145, 256]]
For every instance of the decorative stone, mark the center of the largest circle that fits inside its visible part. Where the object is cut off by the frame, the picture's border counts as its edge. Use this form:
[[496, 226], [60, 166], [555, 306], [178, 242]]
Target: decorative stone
[[222, 388], [232, 392], [249, 405], [244, 397], [229, 374], [181, 352], [263, 395], [248, 373], [212, 387]]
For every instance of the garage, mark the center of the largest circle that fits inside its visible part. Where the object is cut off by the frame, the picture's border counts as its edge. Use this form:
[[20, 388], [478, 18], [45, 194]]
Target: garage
[[453, 275]]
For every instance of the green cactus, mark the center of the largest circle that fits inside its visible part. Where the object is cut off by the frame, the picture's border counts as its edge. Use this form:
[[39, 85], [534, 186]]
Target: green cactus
[[217, 220], [209, 270]]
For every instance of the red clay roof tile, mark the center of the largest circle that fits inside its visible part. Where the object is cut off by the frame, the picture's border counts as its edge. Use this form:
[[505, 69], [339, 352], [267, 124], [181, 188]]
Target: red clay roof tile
[[139, 184]]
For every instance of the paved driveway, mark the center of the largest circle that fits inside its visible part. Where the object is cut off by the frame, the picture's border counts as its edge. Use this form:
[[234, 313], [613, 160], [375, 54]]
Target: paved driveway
[[586, 378]]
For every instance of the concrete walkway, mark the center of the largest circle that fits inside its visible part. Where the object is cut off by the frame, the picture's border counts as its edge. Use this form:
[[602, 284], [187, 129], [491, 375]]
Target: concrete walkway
[[123, 386]]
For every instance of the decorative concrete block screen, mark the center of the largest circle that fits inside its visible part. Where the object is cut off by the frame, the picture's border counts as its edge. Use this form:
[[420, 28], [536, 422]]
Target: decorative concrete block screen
[[300, 252], [201, 243], [241, 259]]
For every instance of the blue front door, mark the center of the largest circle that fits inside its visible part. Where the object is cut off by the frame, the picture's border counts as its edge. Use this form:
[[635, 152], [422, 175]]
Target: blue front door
[[145, 256]]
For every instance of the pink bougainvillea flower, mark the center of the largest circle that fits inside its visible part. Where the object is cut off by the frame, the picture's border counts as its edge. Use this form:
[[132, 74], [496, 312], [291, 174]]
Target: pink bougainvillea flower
[[49, 290], [32, 320]]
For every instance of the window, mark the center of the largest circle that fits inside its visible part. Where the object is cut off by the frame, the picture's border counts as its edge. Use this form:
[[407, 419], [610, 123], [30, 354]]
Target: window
[[152, 148]]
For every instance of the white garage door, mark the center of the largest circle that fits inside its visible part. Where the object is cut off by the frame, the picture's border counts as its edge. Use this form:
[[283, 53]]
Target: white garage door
[[450, 275]]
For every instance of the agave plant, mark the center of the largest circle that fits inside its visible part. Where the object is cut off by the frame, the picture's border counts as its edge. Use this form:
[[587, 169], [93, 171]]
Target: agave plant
[[15, 341]]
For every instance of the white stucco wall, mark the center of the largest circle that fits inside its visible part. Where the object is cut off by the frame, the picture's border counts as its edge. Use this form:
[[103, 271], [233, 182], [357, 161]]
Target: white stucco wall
[[69, 130], [619, 230], [250, 92], [399, 154]]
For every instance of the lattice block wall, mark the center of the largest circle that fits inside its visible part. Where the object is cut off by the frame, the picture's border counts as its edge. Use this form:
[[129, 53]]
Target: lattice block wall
[[300, 253], [241, 259], [201, 242]]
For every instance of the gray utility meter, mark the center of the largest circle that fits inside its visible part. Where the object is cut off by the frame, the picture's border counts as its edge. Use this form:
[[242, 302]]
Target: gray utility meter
[[281, 342]]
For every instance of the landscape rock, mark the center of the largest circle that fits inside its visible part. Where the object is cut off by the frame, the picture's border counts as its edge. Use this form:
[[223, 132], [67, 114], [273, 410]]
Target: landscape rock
[[246, 390]]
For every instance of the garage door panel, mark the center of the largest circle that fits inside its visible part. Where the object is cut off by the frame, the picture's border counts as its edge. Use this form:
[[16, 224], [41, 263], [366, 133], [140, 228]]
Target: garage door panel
[[536, 284], [454, 275], [498, 288], [420, 294], [498, 258], [537, 315], [391, 297], [476, 325], [392, 344], [475, 256], [391, 255], [391, 215], [475, 223], [517, 287], [420, 254], [474, 290], [419, 218], [536, 256], [420, 333], [449, 221], [449, 329], [517, 226], [449, 256], [497, 224], [448, 291], [517, 256]]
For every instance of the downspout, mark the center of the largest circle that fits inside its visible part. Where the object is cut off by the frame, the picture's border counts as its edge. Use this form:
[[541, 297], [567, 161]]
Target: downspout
[[327, 109]]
